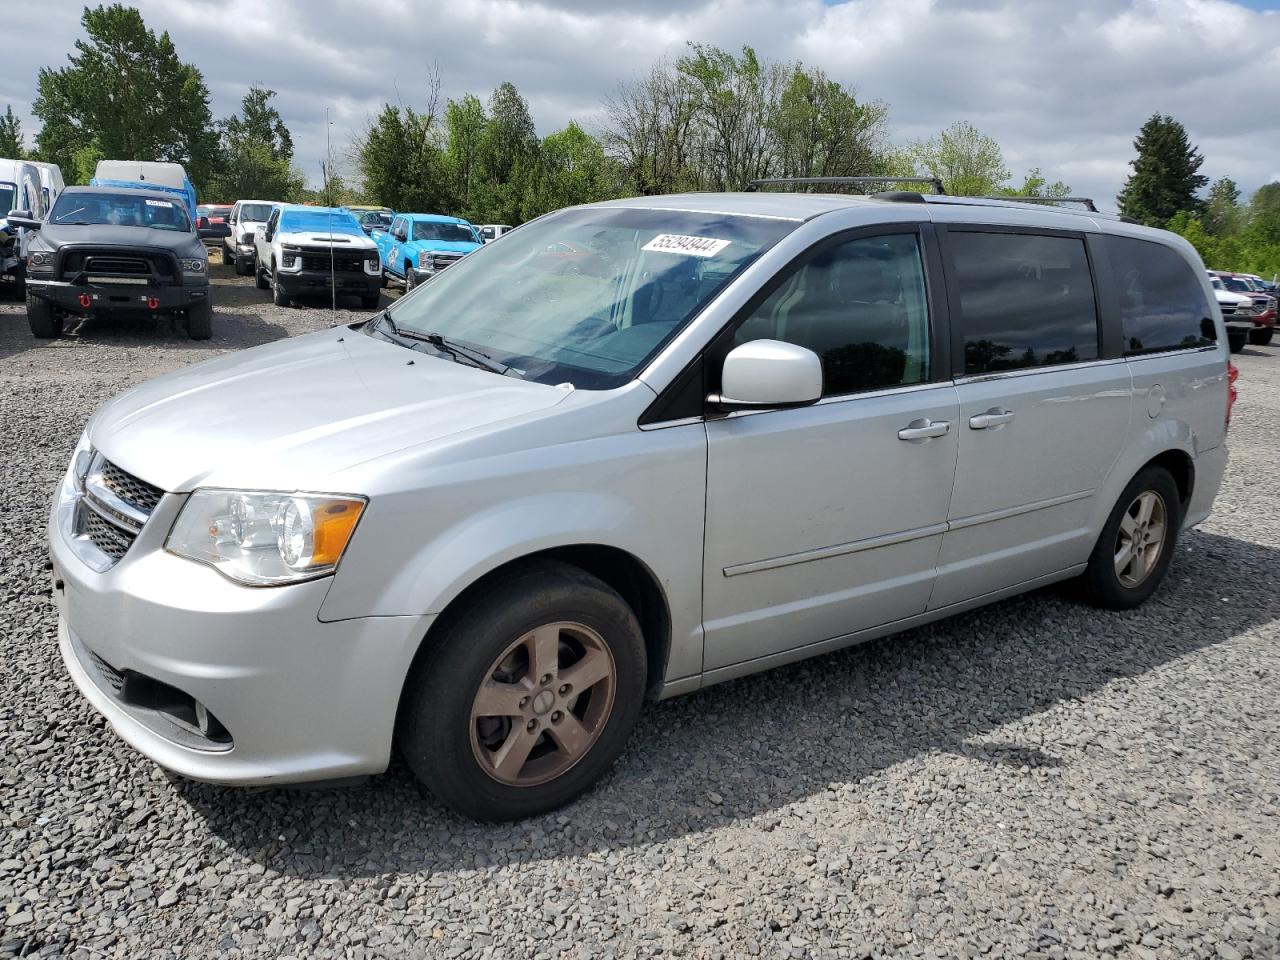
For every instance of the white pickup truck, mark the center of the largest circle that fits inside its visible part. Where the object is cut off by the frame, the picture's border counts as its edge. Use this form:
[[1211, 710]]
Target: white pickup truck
[[304, 251]]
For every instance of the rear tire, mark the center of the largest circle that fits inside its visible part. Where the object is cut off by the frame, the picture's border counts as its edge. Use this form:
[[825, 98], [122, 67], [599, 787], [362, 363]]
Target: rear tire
[[1261, 337], [200, 320], [45, 321], [544, 620], [1131, 556]]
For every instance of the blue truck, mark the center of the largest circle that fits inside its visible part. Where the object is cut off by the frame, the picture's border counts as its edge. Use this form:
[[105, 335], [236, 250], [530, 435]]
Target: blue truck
[[417, 246]]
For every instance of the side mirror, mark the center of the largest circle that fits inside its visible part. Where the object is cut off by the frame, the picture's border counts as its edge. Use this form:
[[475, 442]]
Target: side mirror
[[22, 218], [766, 374]]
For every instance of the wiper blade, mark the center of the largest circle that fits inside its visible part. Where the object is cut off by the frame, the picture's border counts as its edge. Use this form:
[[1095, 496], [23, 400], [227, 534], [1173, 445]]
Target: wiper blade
[[474, 357]]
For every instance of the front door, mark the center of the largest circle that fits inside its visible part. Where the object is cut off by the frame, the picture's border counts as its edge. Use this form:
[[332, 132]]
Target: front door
[[825, 520], [1042, 415]]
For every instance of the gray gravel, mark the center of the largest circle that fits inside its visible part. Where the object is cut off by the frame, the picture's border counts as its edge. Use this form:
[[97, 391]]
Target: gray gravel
[[1035, 779]]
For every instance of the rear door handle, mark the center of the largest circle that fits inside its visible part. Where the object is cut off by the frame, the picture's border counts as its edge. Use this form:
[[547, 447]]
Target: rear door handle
[[924, 429], [992, 418]]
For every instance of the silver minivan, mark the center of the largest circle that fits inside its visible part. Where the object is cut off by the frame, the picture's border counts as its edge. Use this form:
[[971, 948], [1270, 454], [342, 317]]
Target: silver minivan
[[637, 448]]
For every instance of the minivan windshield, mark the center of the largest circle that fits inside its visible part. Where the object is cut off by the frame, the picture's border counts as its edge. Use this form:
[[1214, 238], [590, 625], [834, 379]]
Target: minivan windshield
[[586, 296], [440, 230], [124, 209]]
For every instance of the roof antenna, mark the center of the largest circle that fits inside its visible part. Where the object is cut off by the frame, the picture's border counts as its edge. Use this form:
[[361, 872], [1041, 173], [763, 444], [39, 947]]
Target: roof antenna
[[327, 166]]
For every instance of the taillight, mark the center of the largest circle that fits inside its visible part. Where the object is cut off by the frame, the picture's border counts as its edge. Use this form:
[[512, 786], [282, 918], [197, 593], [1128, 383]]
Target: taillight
[[1233, 374]]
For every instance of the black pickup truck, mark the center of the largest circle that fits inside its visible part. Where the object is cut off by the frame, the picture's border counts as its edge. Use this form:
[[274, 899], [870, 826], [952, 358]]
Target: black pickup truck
[[109, 250]]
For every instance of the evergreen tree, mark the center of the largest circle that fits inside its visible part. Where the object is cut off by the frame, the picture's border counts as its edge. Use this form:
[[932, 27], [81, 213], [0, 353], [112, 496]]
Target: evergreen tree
[[1165, 175], [1222, 209], [11, 146]]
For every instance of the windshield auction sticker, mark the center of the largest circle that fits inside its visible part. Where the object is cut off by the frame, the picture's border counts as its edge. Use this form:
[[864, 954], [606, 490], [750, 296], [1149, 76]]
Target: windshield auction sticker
[[160, 203], [689, 246]]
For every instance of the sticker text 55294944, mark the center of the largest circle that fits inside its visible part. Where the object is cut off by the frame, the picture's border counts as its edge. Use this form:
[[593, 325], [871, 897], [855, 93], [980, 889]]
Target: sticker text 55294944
[[689, 246]]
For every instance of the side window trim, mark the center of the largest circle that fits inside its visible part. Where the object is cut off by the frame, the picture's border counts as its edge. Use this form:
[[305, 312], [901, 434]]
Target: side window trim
[[953, 288], [676, 401]]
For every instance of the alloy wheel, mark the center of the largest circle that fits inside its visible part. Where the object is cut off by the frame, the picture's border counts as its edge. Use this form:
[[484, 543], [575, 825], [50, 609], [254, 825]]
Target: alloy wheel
[[543, 704], [1141, 538]]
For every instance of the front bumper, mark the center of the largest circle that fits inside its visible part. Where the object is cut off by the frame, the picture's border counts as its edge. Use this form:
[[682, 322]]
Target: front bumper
[[299, 699], [123, 296], [302, 282]]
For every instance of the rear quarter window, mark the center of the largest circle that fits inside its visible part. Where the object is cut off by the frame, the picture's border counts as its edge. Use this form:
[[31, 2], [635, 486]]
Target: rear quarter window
[[1162, 302]]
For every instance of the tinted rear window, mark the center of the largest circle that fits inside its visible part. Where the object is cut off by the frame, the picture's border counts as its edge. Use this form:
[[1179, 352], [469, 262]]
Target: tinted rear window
[[1026, 300], [1162, 302]]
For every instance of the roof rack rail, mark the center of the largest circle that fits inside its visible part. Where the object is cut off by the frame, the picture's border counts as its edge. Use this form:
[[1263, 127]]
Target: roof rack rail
[[1086, 202], [934, 183]]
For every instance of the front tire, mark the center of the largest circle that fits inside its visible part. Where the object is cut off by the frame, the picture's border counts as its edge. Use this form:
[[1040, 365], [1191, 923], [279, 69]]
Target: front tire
[[370, 301], [200, 320], [45, 321], [260, 279], [1261, 337], [278, 296], [1236, 341], [410, 281], [525, 697], [1137, 544]]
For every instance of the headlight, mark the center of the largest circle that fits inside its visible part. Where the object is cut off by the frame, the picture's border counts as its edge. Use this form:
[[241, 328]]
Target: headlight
[[424, 261], [195, 265], [39, 258], [78, 468], [265, 539]]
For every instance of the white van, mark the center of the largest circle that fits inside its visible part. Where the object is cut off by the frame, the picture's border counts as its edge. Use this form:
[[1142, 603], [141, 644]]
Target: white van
[[51, 182], [19, 190]]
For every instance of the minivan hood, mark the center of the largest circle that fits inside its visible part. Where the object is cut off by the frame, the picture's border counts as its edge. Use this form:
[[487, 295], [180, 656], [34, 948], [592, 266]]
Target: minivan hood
[[290, 414]]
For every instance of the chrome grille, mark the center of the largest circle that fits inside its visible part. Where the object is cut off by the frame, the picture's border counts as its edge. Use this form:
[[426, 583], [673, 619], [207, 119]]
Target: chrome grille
[[112, 540], [441, 260], [114, 507], [129, 488]]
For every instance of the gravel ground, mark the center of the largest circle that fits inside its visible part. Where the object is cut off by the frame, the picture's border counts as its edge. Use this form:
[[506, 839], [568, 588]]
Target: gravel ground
[[1035, 779]]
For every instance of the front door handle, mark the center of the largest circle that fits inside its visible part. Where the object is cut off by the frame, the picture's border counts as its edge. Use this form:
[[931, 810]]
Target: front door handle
[[992, 418], [924, 429]]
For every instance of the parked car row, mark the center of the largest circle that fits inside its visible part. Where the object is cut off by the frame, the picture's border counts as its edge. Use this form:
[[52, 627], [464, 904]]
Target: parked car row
[[1248, 307]]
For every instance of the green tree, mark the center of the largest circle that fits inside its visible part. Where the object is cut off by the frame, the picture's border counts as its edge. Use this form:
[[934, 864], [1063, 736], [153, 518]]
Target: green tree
[[260, 122], [1035, 185], [257, 149], [821, 129], [127, 91], [1264, 214], [464, 126], [11, 142], [968, 162], [571, 169], [400, 161], [1165, 176], [507, 160], [1222, 214]]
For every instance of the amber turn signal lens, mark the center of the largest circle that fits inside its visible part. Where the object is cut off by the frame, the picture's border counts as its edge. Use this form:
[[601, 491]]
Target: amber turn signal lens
[[333, 522]]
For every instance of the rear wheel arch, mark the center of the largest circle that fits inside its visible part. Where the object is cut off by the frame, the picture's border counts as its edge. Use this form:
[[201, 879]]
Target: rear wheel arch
[[1181, 467]]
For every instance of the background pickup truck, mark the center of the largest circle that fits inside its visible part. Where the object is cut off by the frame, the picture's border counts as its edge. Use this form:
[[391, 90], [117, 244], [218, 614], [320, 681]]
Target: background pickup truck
[[315, 250], [420, 245]]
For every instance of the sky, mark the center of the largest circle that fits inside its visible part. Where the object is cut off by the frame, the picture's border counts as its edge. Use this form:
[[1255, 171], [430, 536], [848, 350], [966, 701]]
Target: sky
[[1063, 85]]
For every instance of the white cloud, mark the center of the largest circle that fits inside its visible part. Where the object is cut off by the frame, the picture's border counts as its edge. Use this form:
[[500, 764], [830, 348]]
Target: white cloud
[[1062, 86]]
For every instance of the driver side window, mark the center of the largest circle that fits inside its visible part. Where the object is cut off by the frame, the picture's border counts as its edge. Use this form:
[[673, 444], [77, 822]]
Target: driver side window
[[861, 307]]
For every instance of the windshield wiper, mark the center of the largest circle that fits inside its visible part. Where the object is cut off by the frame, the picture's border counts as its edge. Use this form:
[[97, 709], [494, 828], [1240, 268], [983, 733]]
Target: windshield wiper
[[475, 358]]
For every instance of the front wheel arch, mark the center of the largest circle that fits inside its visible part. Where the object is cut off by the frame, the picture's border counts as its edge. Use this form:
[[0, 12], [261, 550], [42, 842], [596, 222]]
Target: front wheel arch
[[622, 571]]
